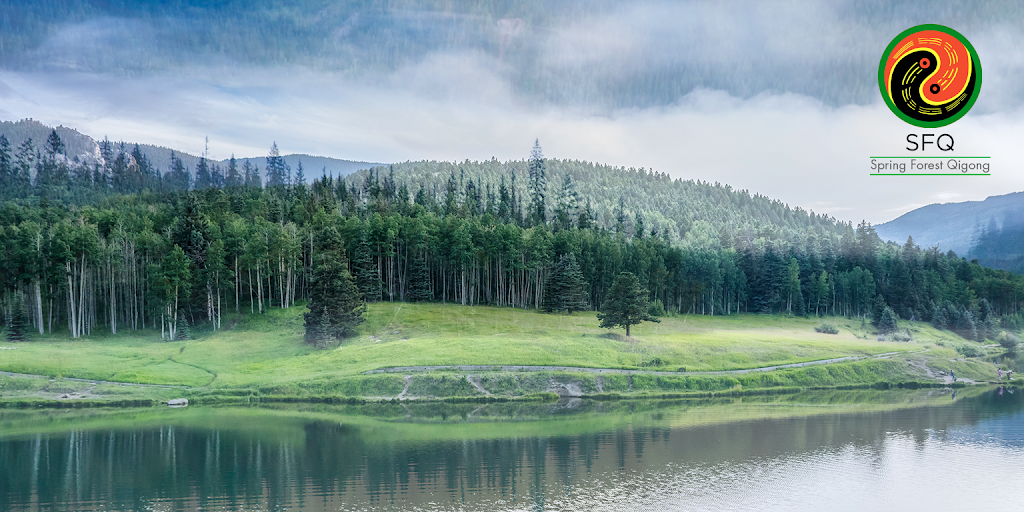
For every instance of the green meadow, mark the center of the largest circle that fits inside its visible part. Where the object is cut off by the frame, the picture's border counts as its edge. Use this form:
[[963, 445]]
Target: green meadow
[[265, 354]]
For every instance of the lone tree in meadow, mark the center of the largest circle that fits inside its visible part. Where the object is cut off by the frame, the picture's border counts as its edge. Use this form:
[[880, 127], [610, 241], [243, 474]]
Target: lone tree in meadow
[[889, 321], [565, 289], [335, 304], [626, 304]]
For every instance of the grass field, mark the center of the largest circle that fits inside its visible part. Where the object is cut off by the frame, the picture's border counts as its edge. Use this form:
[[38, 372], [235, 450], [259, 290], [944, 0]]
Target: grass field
[[267, 351]]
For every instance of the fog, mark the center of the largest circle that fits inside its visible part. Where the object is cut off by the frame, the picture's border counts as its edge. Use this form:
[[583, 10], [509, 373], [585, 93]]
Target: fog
[[777, 98]]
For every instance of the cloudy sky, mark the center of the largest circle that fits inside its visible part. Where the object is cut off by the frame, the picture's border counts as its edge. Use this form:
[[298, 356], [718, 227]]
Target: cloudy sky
[[779, 98]]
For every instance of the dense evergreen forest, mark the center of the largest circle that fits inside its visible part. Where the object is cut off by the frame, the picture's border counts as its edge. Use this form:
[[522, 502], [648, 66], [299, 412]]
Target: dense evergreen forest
[[81, 257]]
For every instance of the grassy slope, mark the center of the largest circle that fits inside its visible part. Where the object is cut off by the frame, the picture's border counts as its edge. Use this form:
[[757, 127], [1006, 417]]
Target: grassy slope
[[267, 351]]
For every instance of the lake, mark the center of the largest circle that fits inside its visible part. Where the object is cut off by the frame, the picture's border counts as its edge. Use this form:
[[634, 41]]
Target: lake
[[852, 450]]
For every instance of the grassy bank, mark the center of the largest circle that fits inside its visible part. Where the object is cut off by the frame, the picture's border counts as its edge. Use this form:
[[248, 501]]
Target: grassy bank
[[387, 422], [264, 355]]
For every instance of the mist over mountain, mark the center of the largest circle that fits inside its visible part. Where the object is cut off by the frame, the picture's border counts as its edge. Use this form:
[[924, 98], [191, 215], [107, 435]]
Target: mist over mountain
[[960, 227]]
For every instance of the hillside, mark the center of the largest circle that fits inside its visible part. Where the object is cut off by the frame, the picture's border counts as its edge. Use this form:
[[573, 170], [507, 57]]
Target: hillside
[[697, 213], [956, 226]]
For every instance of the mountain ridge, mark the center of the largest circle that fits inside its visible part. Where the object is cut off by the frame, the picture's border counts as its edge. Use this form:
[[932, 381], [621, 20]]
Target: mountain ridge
[[88, 149], [955, 226]]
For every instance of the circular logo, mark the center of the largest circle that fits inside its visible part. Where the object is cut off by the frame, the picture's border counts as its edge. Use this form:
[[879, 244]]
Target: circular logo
[[930, 76]]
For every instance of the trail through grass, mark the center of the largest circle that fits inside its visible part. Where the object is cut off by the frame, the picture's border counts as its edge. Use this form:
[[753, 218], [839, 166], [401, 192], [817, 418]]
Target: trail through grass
[[263, 351]]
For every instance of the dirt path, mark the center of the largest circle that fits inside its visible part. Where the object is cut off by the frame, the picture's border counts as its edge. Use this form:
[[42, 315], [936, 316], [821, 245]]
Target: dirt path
[[522, 368], [475, 381], [94, 382], [408, 380]]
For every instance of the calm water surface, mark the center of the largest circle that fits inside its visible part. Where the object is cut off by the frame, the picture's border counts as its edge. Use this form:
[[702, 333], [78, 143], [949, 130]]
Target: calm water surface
[[862, 451]]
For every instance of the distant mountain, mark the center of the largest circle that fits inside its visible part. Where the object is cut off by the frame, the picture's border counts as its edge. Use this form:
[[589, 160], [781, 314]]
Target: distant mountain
[[76, 144], [956, 226], [87, 149], [313, 166]]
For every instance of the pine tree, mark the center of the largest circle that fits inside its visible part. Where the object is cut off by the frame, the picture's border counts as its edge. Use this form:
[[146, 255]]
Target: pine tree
[[300, 176], [627, 304], [988, 323], [365, 272], [204, 179], [233, 178], [6, 168], [567, 209], [251, 175], [538, 185], [877, 308], [565, 289], [586, 219], [17, 324], [419, 280], [620, 216], [178, 178], [182, 331], [335, 307], [278, 171], [889, 321], [939, 318], [965, 325]]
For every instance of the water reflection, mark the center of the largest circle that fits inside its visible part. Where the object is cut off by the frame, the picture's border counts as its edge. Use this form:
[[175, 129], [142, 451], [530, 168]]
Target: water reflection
[[808, 452]]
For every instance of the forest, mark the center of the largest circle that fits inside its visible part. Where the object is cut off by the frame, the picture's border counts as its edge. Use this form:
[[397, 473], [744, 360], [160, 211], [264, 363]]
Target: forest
[[127, 247]]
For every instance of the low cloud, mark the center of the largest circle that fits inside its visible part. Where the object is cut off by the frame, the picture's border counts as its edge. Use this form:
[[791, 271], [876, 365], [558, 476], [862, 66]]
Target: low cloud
[[786, 146], [777, 98]]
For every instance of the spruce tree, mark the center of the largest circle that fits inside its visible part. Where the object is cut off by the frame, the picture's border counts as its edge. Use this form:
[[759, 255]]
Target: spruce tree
[[6, 168], [626, 305], [988, 323], [939, 318], [565, 289], [182, 332], [877, 308], [538, 185], [419, 280], [278, 171], [366, 276], [17, 324], [966, 325], [335, 306], [233, 179], [888, 321]]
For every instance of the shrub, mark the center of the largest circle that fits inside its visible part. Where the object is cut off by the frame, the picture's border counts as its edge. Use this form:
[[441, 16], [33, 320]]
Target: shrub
[[827, 328], [1008, 341], [969, 350], [900, 336], [656, 308]]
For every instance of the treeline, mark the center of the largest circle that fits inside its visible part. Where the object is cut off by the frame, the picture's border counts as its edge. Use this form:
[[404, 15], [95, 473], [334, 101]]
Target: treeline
[[44, 171], [172, 260]]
